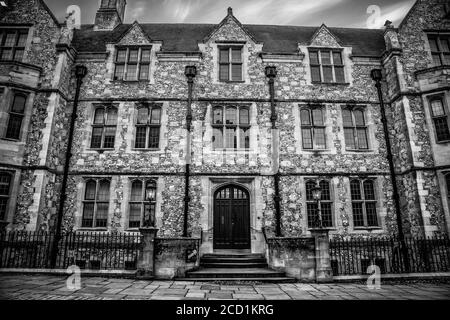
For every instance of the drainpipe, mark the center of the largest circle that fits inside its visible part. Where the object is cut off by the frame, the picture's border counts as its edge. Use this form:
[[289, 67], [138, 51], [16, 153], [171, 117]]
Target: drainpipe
[[271, 73], [80, 73], [190, 72], [377, 76]]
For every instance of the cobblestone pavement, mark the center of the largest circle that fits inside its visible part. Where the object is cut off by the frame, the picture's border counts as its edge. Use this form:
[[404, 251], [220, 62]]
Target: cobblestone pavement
[[24, 287]]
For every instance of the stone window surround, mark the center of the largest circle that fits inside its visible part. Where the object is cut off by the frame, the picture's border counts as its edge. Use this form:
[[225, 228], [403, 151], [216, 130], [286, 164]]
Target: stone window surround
[[427, 47], [90, 123], [28, 44], [437, 96], [376, 193], [162, 128], [253, 129], [78, 215], [346, 60], [5, 107], [333, 188], [215, 61], [126, 62], [327, 124], [370, 129]]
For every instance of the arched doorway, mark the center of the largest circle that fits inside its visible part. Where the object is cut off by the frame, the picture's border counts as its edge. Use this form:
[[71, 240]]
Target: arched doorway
[[231, 218]]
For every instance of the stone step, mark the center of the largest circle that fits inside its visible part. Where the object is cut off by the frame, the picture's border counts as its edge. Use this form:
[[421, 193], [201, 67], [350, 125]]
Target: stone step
[[234, 273], [234, 255], [232, 260], [223, 264], [249, 279]]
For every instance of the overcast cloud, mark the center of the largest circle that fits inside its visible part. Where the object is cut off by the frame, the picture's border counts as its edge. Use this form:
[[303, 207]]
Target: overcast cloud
[[339, 13]]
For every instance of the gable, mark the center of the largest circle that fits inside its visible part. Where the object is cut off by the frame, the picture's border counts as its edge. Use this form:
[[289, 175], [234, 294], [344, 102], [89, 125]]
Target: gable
[[135, 35], [324, 38]]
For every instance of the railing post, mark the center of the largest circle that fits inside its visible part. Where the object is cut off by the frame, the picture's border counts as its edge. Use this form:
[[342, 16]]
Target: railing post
[[324, 273], [146, 260], [3, 225]]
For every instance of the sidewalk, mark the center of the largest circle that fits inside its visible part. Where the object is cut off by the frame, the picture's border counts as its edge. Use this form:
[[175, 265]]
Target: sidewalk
[[41, 287]]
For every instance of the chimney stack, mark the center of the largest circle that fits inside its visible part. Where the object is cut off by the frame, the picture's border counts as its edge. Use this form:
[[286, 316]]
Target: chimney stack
[[110, 14]]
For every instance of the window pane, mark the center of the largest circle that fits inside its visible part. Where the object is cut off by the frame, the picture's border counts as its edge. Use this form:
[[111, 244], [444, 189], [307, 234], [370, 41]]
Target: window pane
[[103, 191], [325, 55], [244, 116], [224, 72], [132, 72], [327, 74], [96, 140], [224, 55], [444, 45], [111, 117], [358, 219], [311, 209], [136, 191], [313, 57], [19, 104], [319, 137], [144, 72], [6, 54], [90, 190], [347, 118], [99, 116], [231, 138], [110, 133], [437, 108], [4, 184], [433, 44], [441, 126], [436, 59], [22, 40], [349, 139], [10, 40], [230, 116], [355, 190], [153, 139], [133, 55], [217, 138], [304, 116], [317, 117], [315, 74], [102, 215], [14, 126], [118, 74], [135, 215], [327, 217], [140, 137], [369, 191], [307, 139], [236, 55], [362, 138], [371, 214], [18, 55], [325, 186], [156, 116], [145, 55], [121, 55], [218, 115], [245, 138], [3, 206], [236, 72], [142, 116], [359, 117], [337, 59], [446, 58], [88, 215], [309, 185], [339, 72]]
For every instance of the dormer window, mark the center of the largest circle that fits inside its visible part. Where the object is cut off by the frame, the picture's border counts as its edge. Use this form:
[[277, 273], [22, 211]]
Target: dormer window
[[326, 66], [12, 44], [230, 63], [440, 49], [132, 64]]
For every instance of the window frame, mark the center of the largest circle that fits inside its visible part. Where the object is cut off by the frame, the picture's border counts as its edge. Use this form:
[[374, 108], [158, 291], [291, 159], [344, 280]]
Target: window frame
[[440, 52], [312, 126], [8, 195], [95, 203], [17, 115], [148, 126], [238, 126], [104, 125], [139, 63], [355, 127], [320, 65], [230, 62], [364, 201], [143, 203], [441, 98], [18, 32], [322, 202]]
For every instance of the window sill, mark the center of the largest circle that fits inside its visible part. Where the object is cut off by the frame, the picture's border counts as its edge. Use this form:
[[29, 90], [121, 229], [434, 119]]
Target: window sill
[[324, 228], [360, 150], [11, 140], [331, 83], [443, 142], [130, 81], [100, 150], [316, 150], [132, 230], [231, 82], [84, 229], [145, 149], [232, 150], [367, 228]]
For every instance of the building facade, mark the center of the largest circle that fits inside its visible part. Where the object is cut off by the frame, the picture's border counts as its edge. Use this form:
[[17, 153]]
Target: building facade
[[131, 145]]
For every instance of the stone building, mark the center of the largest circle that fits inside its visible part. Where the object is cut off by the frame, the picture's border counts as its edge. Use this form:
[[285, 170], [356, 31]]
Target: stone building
[[130, 136]]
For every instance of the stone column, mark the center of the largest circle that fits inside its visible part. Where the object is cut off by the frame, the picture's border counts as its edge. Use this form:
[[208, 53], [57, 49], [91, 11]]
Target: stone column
[[146, 260], [324, 272]]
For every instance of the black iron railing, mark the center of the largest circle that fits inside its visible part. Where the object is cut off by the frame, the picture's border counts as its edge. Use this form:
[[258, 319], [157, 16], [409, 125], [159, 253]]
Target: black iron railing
[[88, 250], [354, 256]]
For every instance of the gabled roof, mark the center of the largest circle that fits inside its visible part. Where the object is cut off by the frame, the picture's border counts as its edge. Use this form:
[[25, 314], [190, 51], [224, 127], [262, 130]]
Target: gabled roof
[[324, 28], [131, 26], [276, 39]]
